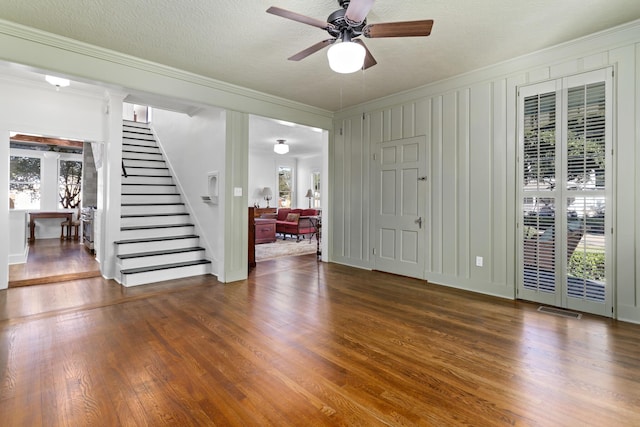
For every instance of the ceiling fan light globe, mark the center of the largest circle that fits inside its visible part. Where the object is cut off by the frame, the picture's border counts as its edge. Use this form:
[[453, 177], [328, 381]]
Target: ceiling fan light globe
[[346, 57]]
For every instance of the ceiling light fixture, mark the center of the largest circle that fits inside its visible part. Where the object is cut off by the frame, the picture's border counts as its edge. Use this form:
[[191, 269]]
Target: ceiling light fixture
[[58, 82], [281, 147], [346, 56]]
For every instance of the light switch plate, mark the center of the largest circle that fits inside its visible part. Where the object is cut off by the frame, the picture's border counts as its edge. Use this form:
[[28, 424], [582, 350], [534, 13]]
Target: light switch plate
[[237, 191]]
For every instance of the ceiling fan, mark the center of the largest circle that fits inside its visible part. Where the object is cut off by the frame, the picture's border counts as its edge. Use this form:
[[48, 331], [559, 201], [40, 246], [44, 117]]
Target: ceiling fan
[[348, 53]]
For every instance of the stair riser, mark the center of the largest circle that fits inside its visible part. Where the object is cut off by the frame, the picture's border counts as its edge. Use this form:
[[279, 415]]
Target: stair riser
[[148, 261], [162, 275], [147, 171], [128, 163], [147, 180], [137, 147], [162, 189], [156, 232], [138, 136], [150, 210], [152, 198], [155, 220], [133, 124], [140, 156], [134, 248]]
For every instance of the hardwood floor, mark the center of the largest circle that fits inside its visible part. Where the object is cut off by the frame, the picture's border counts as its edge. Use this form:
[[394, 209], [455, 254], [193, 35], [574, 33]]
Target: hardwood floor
[[302, 343], [53, 260]]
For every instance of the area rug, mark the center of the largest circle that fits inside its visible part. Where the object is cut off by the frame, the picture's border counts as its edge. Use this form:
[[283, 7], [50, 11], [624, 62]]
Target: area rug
[[282, 248]]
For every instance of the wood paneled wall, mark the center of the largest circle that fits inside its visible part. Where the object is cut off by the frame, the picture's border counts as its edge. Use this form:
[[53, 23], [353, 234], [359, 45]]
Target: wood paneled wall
[[471, 130]]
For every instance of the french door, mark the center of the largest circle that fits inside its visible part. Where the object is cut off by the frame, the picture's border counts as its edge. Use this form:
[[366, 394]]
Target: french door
[[565, 187]]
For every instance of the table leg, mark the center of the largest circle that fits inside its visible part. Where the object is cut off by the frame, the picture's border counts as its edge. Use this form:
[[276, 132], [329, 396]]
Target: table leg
[[32, 230]]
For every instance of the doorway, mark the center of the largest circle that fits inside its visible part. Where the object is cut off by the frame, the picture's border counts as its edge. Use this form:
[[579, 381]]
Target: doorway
[[54, 176]]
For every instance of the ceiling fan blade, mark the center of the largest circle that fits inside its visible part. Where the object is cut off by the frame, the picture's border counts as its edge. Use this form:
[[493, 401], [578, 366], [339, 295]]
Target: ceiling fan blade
[[311, 49], [369, 60], [399, 29], [298, 17], [358, 11]]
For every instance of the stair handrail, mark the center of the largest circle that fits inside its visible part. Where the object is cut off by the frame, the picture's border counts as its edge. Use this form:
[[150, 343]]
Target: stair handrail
[[124, 170]]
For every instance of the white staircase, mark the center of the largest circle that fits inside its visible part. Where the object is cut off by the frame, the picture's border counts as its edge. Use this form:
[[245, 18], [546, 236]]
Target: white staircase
[[158, 241]]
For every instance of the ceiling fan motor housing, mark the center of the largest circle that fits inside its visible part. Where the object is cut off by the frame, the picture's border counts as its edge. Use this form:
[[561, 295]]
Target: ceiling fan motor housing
[[340, 24]]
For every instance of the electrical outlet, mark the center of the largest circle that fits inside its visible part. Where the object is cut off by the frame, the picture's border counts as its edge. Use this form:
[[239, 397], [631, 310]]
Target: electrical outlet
[[479, 261]]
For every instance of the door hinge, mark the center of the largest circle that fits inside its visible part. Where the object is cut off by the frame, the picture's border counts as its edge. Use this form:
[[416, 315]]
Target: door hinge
[[340, 131], [362, 116], [375, 157], [374, 251], [611, 230]]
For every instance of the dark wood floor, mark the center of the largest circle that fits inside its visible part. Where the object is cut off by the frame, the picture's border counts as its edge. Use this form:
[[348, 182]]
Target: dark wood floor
[[302, 343]]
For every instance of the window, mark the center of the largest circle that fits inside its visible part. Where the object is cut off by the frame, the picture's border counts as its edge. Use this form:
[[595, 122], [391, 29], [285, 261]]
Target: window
[[285, 186], [24, 182], [315, 185], [69, 183]]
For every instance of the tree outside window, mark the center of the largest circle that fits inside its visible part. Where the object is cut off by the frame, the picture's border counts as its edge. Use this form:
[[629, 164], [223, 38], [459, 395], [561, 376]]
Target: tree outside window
[[285, 185], [24, 182], [69, 179]]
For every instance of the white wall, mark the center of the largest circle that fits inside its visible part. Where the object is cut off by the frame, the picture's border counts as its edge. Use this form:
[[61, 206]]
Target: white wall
[[37, 108], [262, 173], [470, 125], [195, 146], [306, 166]]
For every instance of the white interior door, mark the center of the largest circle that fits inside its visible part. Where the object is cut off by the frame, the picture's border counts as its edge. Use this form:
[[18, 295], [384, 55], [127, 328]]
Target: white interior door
[[399, 206], [565, 163]]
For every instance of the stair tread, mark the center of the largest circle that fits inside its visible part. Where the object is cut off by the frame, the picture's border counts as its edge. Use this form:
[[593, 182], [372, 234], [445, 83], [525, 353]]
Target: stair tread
[[143, 160], [143, 167], [132, 138], [141, 152], [156, 239], [137, 183], [150, 194], [150, 204], [164, 266], [149, 176], [156, 253], [154, 214], [152, 227]]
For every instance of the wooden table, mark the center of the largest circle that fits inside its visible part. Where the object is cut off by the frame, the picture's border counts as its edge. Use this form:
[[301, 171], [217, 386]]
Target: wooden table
[[43, 215]]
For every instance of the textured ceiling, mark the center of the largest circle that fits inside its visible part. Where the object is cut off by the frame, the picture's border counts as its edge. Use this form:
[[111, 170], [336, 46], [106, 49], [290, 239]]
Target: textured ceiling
[[237, 42]]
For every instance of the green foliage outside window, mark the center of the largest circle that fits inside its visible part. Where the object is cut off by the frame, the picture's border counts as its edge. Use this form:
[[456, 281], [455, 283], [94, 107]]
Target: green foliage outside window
[[24, 182]]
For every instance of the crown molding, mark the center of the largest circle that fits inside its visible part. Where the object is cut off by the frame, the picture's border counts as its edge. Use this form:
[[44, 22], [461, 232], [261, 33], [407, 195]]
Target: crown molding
[[55, 41]]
